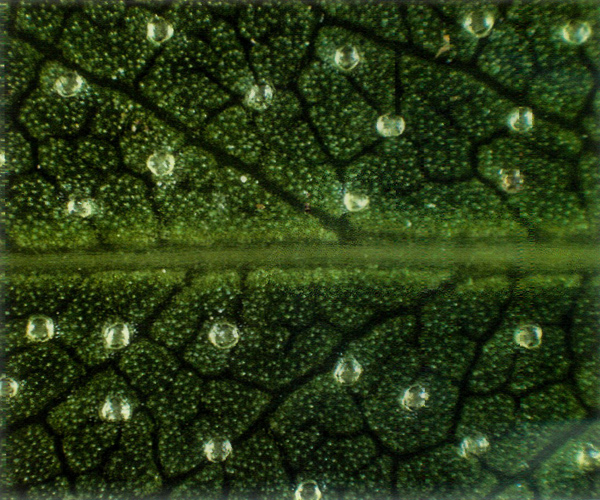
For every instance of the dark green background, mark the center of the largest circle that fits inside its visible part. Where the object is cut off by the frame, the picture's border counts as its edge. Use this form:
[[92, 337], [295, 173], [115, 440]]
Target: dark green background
[[427, 284]]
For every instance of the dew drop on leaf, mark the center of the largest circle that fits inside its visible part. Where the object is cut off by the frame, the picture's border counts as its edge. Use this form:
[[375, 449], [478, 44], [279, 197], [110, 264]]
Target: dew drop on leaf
[[347, 57], [520, 119], [217, 449], [159, 30], [115, 408], [39, 328], [588, 457], [576, 32], [308, 490], [529, 336], [479, 23], [390, 125], [347, 371], [2, 158], [223, 335], [414, 398], [161, 163], [81, 208], [259, 97], [511, 181], [355, 202], [473, 446], [68, 84], [8, 387], [116, 335]]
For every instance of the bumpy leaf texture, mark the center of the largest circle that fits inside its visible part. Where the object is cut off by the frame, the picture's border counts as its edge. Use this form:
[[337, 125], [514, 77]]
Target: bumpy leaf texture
[[218, 227]]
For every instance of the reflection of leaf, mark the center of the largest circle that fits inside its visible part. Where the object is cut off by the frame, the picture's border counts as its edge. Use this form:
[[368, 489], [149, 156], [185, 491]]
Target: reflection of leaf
[[250, 183]]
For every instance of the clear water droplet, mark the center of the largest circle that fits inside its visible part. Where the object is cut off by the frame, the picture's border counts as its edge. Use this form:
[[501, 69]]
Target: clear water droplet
[[116, 408], [479, 23], [116, 335], [414, 398], [161, 163], [81, 208], [243, 179], [576, 32], [259, 97], [2, 158], [224, 335], [511, 181], [39, 328], [8, 387], [390, 125], [520, 119], [308, 490], [588, 457], [529, 336], [473, 446], [159, 30], [217, 449], [347, 57], [355, 202], [68, 84], [347, 371]]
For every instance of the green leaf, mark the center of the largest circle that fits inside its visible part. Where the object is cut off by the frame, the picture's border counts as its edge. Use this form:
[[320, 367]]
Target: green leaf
[[248, 232]]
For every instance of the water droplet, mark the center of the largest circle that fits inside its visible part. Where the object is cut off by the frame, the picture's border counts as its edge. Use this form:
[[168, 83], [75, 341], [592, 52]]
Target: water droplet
[[39, 328], [529, 336], [115, 408], [259, 97], [69, 84], [576, 32], [223, 335], [511, 181], [81, 208], [217, 449], [2, 158], [347, 371], [8, 387], [588, 457], [473, 446], [116, 335], [308, 490], [161, 163], [243, 179], [414, 398], [355, 202], [479, 23], [159, 31], [520, 119], [390, 125], [347, 57]]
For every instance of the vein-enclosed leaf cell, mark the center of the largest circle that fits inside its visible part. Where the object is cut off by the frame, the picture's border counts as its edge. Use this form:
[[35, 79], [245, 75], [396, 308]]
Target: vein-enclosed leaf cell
[[40, 328]]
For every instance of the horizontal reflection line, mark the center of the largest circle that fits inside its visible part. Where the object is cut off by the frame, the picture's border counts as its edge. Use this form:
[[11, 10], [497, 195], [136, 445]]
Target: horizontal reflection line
[[528, 256]]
